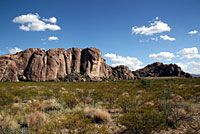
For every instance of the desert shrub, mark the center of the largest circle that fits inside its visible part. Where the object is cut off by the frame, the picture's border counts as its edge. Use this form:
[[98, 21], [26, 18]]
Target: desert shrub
[[166, 93], [97, 115], [175, 117], [70, 100], [6, 98], [35, 119], [8, 122], [141, 107], [126, 103], [24, 93], [143, 120], [174, 112], [146, 83], [75, 123], [52, 105], [97, 95], [37, 105], [108, 96]]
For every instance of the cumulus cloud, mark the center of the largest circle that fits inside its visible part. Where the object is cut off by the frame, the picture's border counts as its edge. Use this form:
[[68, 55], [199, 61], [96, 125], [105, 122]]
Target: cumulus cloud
[[189, 53], [29, 18], [132, 62], [193, 32], [195, 66], [157, 26], [162, 56], [52, 20], [53, 38], [166, 37], [32, 22], [14, 50], [191, 67], [182, 65]]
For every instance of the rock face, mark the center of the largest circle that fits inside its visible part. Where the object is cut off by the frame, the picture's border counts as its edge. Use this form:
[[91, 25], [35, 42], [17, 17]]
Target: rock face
[[122, 72], [158, 69], [40, 65]]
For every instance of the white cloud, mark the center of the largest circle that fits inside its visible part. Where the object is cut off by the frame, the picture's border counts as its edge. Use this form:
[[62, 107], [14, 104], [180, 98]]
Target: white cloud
[[191, 67], [33, 23], [24, 28], [182, 65], [166, 37], [29, 18], [132, 62], [189, 53], [195, 67], [155, 39], [157, 26], [144, 41], [53, 38], [52, 20], [193, 32], [162, 56], [14, 50]]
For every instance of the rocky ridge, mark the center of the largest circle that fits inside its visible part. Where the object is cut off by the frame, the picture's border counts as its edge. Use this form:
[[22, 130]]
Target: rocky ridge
[[73, 64], [159, 69]]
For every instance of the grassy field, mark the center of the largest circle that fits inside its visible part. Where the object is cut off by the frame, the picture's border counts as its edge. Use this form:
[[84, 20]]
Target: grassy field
[[157, 106]]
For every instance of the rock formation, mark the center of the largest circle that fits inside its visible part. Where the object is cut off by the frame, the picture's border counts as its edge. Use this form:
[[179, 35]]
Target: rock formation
[[158, 69], [122, 72], [56, 64], [74, 64]]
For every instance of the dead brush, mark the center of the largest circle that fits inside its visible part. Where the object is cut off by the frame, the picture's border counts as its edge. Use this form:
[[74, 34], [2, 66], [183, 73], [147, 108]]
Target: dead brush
[[35, 119], [8, 121], [97, 115], [37, 105]]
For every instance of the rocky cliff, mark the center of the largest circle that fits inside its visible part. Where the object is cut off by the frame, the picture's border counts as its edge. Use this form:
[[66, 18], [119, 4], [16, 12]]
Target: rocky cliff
[[40, 65], [74, 64], [159, 69]]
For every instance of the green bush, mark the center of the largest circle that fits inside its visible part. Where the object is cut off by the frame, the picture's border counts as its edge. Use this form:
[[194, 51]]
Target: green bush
[[146, 83], [143, 120], [6, 98], [70, 100]]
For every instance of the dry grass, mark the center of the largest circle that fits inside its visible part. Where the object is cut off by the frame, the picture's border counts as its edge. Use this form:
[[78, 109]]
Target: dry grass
[[8, 122], [37, 105], [51, 105], [98, 115], [35, 119]]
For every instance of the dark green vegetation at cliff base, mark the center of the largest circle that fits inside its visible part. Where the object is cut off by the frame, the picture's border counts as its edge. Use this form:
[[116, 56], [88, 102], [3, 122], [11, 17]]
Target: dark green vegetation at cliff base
[[126, 107]]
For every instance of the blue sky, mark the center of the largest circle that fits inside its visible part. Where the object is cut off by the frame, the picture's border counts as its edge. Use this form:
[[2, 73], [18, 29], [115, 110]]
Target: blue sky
[[130, 32]]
